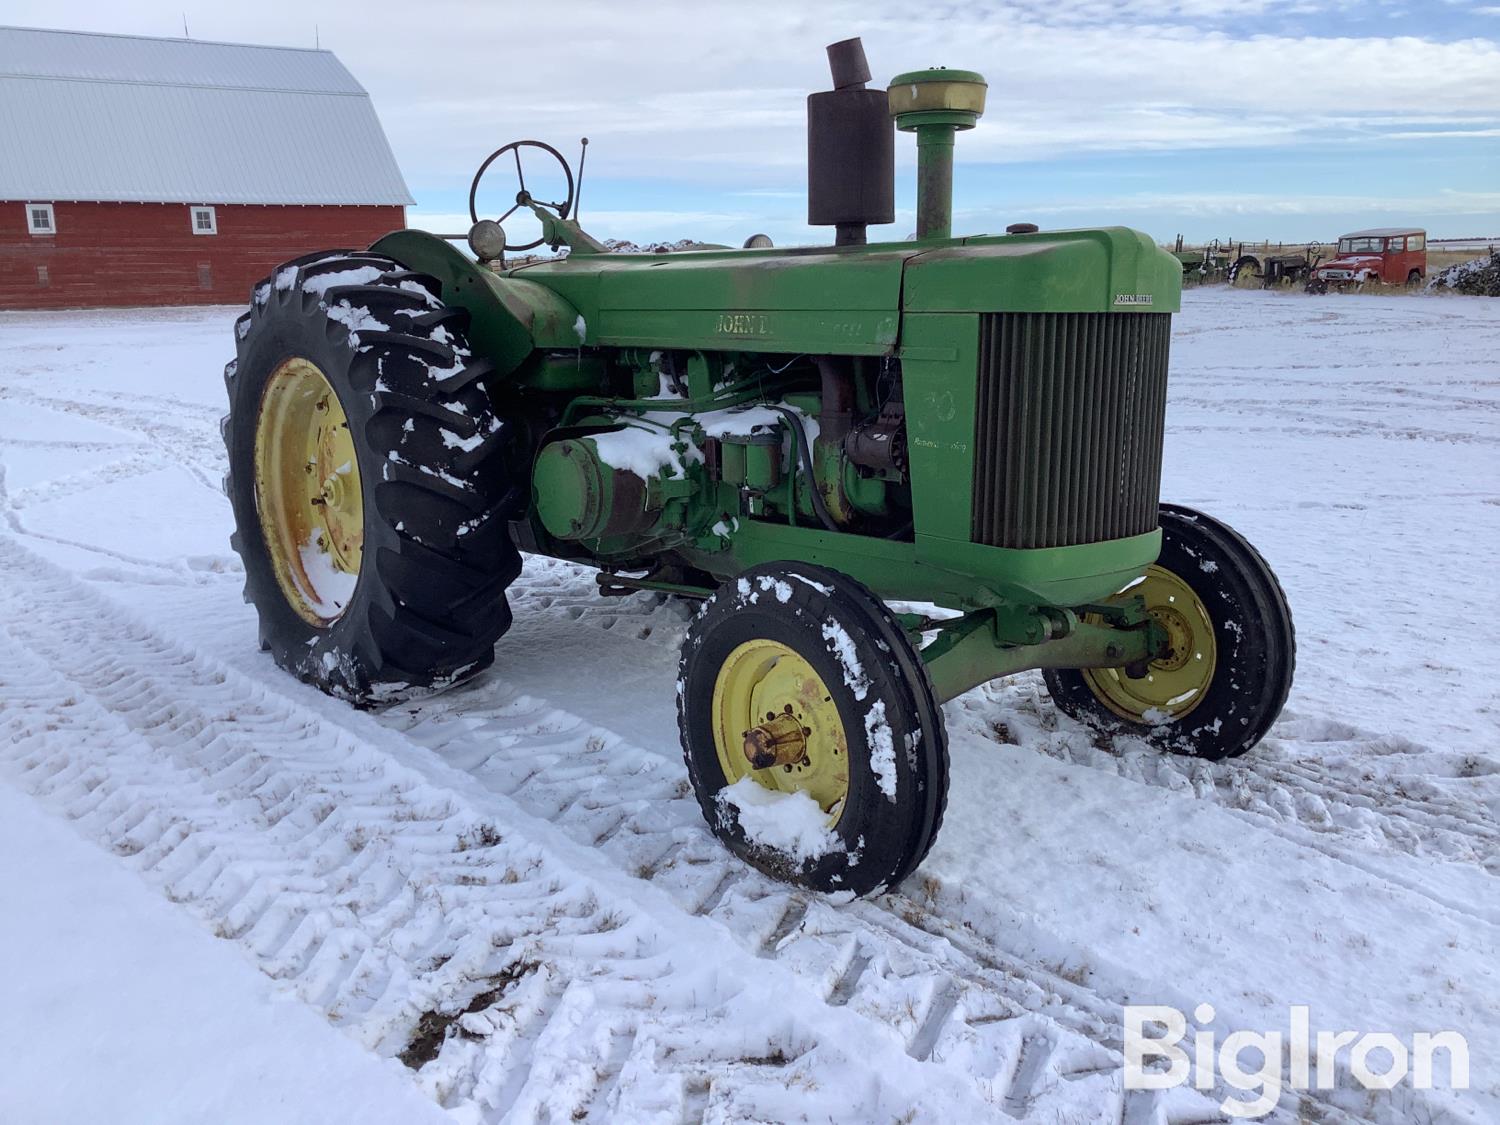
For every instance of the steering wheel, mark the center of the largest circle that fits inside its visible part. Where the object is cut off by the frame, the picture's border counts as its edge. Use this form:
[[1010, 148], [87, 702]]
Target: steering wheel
[[523, 197]]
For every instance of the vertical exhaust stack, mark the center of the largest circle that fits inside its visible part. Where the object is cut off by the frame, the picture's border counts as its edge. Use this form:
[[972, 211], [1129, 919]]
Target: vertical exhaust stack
[[936, 104], [851, 150]]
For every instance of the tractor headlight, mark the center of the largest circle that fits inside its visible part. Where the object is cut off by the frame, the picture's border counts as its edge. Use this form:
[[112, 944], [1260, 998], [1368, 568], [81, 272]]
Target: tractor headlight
[[487, 240]]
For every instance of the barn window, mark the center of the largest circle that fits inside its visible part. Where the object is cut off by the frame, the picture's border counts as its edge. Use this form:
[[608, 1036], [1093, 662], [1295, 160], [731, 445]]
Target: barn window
[[43, 278], [205, 276], [203, 221], [40, 219]]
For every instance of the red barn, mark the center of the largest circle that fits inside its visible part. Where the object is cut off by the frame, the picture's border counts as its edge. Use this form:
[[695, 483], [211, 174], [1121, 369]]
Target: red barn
[[141, 171]]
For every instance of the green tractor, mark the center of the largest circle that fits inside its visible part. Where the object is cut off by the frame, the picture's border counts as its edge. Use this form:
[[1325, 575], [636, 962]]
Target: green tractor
[[1206, 266], [798, 438]]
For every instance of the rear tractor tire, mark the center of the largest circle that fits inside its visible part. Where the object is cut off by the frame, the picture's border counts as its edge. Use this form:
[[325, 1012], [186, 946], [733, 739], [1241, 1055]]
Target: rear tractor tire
[[1246, 274], [368, 481], [1233, 649], [813, 740]]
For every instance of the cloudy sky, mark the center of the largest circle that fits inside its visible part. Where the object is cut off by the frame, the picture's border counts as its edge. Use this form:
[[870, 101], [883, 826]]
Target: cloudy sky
[[1244, 119]]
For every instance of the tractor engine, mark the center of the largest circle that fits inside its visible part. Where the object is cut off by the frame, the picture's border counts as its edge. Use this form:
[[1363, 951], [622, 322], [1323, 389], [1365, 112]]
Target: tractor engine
[[832, 455]]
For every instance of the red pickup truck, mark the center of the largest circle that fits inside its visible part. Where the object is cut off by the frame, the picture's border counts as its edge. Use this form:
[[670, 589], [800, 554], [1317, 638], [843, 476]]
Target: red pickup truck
[[1365, 258]]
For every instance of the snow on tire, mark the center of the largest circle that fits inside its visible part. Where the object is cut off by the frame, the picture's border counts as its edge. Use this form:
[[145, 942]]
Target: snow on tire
[[427, 601], [1250, 635], [871, 800]]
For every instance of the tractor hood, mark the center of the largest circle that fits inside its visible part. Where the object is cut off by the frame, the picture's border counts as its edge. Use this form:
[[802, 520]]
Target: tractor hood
[[850, 300]]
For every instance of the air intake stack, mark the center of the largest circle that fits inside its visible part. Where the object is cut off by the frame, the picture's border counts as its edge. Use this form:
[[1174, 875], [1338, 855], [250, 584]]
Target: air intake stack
[[935, 104], [851, 150]]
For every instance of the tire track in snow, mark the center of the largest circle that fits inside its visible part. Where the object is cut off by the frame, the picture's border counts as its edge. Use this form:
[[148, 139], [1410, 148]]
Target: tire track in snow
[[386, 901], [1310, 804], [1312, 807], [1028, 1033], [398, 906], [136, 463], [667, 863], [188, 442], [171, 447], [1409, 823]]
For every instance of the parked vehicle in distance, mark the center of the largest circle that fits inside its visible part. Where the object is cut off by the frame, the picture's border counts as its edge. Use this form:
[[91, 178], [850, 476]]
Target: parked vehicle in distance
[[1366, 258], [1204, 266], [1269, 271]]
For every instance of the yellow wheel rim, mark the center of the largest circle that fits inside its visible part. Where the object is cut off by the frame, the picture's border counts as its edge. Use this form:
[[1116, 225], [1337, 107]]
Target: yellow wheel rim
[[766, 688], [1178, 682], [307, 492]]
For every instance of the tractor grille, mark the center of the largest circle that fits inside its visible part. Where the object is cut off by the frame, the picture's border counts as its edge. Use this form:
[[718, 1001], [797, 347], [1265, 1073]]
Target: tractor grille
[[1068, 429]]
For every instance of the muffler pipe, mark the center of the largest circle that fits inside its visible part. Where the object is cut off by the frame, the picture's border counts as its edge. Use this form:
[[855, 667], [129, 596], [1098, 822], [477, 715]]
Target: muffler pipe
[[851, 150]]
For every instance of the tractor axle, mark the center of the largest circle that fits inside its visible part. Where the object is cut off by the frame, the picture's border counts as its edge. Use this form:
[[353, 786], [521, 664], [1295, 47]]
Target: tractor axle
[[987, 645]]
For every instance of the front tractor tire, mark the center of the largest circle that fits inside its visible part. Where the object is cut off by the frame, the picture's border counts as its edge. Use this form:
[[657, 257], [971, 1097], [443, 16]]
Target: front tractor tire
[[813, 739], [1232, 650], [368, 481]]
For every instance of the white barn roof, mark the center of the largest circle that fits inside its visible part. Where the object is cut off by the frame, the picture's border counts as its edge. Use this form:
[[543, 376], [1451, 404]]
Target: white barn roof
[[117, 118]]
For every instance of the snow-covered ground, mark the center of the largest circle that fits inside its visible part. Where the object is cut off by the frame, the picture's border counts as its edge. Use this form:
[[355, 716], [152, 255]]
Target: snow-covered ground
[[503, 901]]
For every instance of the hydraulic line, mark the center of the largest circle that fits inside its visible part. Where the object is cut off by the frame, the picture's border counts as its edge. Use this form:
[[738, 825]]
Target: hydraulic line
[[804, 452]]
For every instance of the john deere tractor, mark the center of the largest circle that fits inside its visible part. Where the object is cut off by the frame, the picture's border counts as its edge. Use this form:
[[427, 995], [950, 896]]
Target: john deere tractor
[[1202, 267], [890, 472]]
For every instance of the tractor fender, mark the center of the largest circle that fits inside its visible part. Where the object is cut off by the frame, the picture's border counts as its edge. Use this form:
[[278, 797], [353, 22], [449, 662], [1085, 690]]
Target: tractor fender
[[508, 317]]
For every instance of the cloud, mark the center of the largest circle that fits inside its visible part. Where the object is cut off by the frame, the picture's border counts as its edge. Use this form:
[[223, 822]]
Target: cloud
[[707, 100], [1194, 13], [641, 225], [714, 92], [1434, 134], [1240, 203]]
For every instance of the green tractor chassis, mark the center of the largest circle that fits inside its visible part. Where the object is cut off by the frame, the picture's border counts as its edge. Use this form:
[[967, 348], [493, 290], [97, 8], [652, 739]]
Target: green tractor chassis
[[797, 437]]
